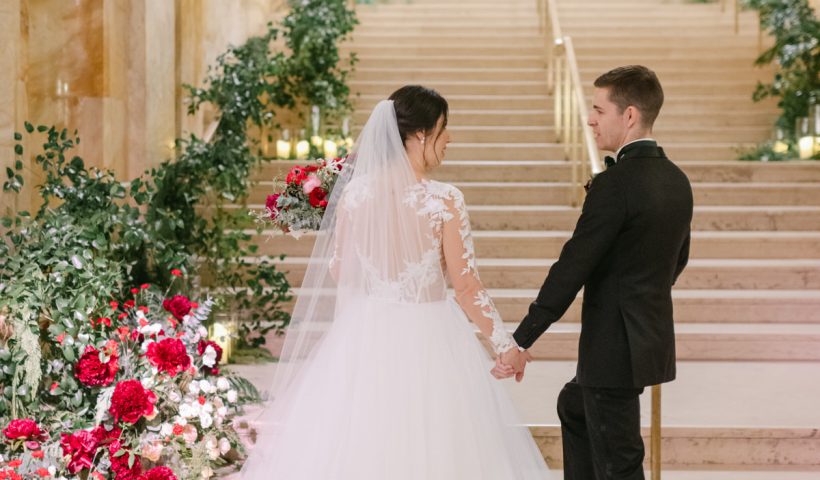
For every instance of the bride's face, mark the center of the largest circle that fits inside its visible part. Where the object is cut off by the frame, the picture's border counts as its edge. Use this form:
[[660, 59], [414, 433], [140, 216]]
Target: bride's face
[[435, 145]]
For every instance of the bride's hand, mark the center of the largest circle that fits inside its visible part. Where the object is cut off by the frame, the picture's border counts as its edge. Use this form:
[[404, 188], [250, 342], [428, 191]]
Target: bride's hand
[[502, 371]]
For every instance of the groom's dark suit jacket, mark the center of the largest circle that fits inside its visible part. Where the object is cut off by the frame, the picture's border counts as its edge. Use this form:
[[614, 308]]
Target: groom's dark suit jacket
[[629, 246]]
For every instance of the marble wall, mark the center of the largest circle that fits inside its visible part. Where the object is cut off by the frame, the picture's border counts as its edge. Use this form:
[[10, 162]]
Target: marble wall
[[113, 70]]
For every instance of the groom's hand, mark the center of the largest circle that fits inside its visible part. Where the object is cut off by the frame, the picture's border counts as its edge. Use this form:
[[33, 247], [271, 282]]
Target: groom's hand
[[512, 362]]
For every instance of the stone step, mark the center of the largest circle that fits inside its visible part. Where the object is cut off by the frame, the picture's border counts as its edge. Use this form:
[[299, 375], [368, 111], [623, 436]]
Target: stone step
[[478, 40], [555, 193], [475, 60], [410, 49], [720, 218], [799, 274], [742, 415], [561, 171], [413, 74], [448, 87], [543, 244], [701, 342], [728, 90]]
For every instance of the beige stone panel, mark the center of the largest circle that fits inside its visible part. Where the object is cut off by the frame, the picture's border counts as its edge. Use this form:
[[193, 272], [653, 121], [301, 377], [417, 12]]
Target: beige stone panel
[[13, 108], [190, 64], [151, 95]]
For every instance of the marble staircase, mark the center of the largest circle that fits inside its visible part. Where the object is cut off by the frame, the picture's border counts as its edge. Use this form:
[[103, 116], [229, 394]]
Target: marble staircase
[[747, 307]]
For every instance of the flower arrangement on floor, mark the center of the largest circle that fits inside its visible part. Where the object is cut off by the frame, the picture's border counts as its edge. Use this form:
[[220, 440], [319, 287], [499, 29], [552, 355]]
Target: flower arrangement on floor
[[300, 200], [143, 394]]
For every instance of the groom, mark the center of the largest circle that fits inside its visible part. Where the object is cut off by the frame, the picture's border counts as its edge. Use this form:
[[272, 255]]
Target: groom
[[629, 246]]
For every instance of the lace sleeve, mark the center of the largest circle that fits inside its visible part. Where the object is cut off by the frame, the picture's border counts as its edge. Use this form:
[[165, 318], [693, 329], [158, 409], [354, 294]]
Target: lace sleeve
[[459, 255]]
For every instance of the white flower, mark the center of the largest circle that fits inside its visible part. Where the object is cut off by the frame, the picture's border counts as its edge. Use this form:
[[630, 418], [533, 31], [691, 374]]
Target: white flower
[[232, 396], [189, 434], [207, 473], [222, 411], [150, 329], [206, 386], [206, 420], [206, 407], [174, 396], [166, 429], [202, 332], [224, 445], [223, 384], [141, 315], [193, 387], [209, 356], [147, 383], [75, 260], [186, 410], [180, 420], [52, 470]]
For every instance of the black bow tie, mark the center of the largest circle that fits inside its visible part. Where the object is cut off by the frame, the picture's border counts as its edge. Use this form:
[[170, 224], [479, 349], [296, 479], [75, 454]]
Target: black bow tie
[[609, 161]]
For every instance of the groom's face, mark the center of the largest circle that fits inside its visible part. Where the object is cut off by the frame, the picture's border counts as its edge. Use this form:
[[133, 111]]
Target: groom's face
[[608, 123]]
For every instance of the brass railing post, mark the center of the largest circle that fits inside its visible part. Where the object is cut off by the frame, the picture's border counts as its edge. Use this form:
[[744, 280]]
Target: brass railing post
[[655, 434]]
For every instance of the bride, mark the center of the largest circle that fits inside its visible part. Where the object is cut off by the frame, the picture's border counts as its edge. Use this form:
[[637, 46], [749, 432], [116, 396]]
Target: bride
[[381, 376]]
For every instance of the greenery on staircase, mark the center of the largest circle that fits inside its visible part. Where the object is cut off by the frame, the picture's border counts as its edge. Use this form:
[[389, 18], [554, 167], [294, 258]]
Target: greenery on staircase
[[796, 31]]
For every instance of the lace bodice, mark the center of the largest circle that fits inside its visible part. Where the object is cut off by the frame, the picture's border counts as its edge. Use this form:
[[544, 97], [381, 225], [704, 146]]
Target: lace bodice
[[443, 205], [445, 252]]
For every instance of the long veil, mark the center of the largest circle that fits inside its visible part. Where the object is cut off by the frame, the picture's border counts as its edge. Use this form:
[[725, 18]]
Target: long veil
[[373, 246]]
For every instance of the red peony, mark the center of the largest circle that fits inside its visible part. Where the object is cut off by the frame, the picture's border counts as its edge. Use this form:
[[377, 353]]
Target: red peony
[[92, 372], [318, 198], [169, 355], [80, 446], [119, 464], [200, 348], [159, 473], [24, 429], [270, 203], [179, 306], [131, 401]]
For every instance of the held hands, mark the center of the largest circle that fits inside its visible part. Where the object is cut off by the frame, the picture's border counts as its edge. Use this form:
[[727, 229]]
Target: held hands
[[512, 362]]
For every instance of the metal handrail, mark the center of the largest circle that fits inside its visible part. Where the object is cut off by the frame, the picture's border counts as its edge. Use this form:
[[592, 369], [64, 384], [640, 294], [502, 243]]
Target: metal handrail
[[564, 82]]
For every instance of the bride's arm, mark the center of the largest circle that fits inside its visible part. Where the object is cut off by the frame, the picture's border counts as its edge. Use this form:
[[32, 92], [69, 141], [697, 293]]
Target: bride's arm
[[459, 256]]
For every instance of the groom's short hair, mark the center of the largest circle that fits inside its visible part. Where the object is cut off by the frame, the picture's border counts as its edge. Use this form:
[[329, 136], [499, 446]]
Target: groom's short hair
[[637, 86]]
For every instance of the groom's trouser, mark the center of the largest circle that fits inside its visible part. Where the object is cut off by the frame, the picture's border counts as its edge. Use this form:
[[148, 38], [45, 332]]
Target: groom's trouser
[[601, 431]]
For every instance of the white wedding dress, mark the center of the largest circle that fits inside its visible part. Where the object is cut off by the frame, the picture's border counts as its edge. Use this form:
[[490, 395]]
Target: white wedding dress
[[383, 376]]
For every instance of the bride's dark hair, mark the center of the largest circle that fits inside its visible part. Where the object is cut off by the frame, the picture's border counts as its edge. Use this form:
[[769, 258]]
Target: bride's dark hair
[[418, 109]]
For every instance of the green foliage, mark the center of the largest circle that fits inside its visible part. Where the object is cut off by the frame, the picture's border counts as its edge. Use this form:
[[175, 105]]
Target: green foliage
[[313, 29], [796, 31], [765, 152]]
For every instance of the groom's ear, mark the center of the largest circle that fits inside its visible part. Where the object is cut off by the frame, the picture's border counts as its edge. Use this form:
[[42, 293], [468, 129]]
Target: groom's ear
[[633, 116]]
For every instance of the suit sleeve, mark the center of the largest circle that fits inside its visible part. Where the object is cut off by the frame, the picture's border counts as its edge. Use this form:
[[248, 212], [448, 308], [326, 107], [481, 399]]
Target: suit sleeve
[[683, 257], [602, 217]]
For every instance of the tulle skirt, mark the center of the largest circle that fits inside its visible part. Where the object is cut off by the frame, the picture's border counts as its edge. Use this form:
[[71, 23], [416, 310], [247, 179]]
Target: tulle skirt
[[397, 391]]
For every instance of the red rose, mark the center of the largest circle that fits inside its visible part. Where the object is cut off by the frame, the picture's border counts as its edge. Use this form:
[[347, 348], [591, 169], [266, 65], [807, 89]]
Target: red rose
[[200, 348], [169, 355], [296, 175], [131, 401], [318, 197], [145, 286], [178, 306], [91, 372], [38, 454], [159, 473], [80, 446], [270, 204], [25, 429], [176, 272], [43, 472], [129, 304], [119, 464]]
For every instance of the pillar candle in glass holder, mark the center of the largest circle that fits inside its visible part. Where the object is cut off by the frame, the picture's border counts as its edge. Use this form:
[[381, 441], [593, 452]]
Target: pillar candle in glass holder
[[330, 149], [302, 149]]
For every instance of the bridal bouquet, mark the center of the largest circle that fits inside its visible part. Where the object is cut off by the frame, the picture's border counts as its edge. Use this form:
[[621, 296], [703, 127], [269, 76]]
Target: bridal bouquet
[[300, 201], [134, 395]]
